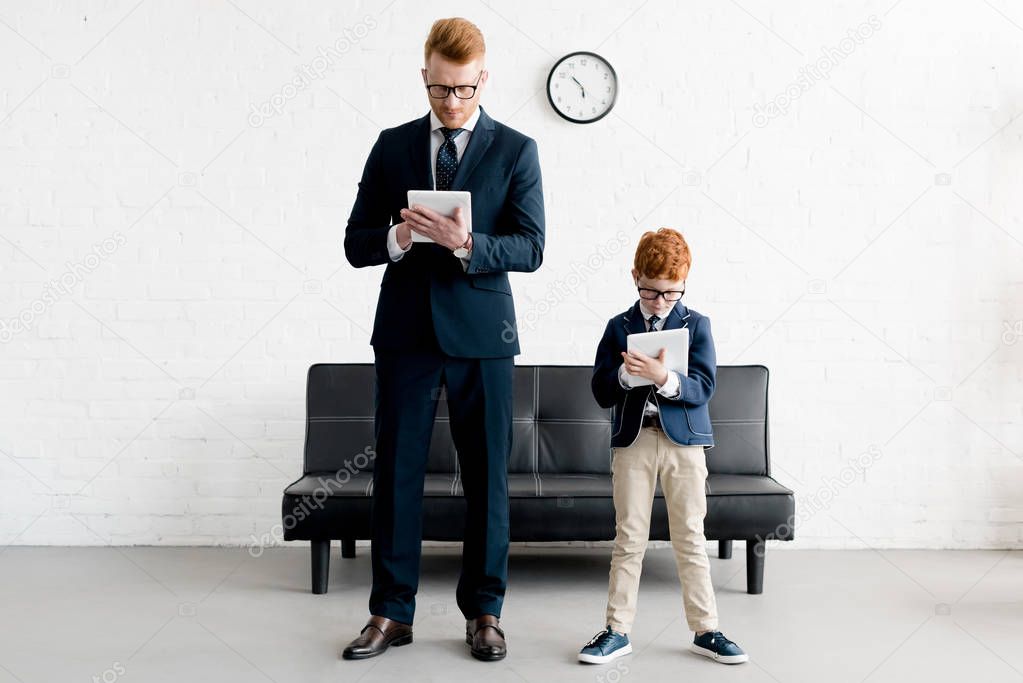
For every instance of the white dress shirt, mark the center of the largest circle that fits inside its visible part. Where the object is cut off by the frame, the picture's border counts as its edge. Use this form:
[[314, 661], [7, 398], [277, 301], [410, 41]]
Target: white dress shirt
[[436, 140], [671, 388]]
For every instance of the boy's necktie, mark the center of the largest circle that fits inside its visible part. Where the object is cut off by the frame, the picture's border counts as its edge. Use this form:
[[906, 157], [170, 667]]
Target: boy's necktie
[[447, 158], [653, 322]]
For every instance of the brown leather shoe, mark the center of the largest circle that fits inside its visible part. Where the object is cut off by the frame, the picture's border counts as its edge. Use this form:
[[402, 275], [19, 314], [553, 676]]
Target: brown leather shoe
[[485, 638], [377, 635]]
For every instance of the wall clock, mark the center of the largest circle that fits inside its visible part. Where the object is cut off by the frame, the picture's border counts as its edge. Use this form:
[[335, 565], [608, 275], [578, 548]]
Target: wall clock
[[582, 87]]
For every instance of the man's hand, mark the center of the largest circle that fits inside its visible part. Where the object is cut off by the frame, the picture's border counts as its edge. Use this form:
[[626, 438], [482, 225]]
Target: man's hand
[[639, 364], [403, 234], [448, 232]]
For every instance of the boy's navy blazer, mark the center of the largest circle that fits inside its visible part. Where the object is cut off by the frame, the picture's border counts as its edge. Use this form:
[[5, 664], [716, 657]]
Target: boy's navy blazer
[[685, 420], [427, 293]]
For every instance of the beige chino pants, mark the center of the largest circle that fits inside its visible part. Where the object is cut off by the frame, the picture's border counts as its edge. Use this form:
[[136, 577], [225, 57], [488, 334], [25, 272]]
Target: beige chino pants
[[683, 473]]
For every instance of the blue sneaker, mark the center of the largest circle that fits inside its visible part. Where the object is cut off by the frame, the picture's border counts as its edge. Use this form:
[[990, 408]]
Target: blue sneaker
[[713, 644], [605, 646]]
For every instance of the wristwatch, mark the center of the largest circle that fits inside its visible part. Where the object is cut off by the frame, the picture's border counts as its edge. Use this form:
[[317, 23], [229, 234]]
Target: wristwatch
[[462, 252]]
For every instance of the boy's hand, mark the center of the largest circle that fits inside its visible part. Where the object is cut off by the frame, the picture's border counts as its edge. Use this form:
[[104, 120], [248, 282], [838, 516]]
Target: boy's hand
[[639, 364]]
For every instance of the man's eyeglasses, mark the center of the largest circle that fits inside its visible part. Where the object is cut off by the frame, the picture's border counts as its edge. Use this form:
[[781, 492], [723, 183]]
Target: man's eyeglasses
[[462, 92], [669, 295]]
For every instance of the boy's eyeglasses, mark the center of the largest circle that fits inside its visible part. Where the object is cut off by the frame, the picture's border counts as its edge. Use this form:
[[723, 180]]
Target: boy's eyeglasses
[[462, 92], [669, 295]]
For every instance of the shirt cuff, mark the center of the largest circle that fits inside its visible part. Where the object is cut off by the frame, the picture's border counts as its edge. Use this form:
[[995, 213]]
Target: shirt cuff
[[621, 377], [672, 387], [465, 260], [393, 249]]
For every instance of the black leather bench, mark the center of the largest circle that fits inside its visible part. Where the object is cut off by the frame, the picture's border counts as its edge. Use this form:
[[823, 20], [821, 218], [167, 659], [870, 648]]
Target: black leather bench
[[559, 471]]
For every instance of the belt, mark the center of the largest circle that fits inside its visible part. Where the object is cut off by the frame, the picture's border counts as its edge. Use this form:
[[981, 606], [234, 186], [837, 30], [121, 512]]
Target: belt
[[653, 420]]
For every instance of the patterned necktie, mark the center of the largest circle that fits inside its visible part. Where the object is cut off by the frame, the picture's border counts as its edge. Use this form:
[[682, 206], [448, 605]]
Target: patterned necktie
[[653, 322], [447, 158]]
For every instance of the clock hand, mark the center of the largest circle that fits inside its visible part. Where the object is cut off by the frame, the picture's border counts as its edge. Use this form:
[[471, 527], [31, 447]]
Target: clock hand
[[580, 86]]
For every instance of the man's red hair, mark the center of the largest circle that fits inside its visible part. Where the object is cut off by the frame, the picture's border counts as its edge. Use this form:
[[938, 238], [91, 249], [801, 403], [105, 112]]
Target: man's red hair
[[456, 39]]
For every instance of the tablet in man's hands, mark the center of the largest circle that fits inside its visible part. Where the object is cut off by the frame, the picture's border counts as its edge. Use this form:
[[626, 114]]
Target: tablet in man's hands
[[443, 202]]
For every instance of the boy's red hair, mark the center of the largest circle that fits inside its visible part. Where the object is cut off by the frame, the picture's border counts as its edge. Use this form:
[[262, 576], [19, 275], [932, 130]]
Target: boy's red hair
[[663, 255]]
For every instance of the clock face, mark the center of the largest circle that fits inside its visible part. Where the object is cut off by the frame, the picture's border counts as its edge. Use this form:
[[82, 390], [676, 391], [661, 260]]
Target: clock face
[[582, 87]]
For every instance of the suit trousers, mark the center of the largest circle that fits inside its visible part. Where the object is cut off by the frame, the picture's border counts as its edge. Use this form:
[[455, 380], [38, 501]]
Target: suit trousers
[[479, 399]]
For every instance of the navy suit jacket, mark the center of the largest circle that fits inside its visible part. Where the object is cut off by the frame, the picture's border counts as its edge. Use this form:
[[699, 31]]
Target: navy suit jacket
[[470, 312], [685, 420]]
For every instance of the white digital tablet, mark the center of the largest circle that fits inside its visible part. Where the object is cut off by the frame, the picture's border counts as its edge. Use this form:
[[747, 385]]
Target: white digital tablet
[[443, 202], [674, 342]]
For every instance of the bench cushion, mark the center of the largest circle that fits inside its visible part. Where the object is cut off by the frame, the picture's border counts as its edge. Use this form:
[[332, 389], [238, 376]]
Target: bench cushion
[[529, 486]]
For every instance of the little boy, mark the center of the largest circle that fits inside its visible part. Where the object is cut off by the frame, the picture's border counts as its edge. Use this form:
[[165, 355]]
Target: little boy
[[659, 431]]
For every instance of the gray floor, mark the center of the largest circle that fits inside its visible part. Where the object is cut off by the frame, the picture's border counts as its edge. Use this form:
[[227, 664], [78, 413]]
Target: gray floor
[[204, 614]]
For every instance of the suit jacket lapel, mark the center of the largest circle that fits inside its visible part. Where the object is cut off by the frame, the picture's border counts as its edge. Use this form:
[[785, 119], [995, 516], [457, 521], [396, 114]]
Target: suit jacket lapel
[[679, 317], [479, 142], [419, 153], [634, 322]]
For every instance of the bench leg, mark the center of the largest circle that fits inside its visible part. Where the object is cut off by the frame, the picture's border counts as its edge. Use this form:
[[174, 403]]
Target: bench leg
[[725, 550], [347, 547], [321, 565], [755, 550]]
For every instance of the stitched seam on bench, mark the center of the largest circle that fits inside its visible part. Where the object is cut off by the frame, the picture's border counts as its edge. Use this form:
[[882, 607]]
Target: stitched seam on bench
[[458, 473], [369, 418], [538, 487]]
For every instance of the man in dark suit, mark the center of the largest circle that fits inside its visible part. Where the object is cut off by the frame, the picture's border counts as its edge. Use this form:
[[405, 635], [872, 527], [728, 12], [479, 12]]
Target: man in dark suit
[[445, 318]]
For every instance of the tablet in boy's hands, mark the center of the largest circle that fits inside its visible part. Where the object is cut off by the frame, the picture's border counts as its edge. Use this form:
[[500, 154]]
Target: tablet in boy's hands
[[676, 351], [443, 202]]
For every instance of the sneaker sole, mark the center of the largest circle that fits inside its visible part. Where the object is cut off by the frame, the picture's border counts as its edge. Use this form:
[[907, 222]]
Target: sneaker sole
[[724, 659], [601, 659]]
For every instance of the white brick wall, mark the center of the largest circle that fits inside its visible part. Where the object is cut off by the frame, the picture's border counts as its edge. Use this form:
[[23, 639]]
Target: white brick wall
[[178, 258]]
